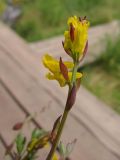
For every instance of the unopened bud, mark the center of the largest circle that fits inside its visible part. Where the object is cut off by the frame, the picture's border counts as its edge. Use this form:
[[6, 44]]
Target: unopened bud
[[55, 128], [18, 126], [72, 29], [63, 69], [71, 98]]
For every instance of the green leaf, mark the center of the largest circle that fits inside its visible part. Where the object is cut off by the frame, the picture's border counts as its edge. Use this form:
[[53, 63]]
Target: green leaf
[[20, 143], [70, 147], [62, 149], [37, 133]]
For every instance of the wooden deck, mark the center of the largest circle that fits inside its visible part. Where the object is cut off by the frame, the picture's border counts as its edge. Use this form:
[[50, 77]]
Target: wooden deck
[[24, 91]]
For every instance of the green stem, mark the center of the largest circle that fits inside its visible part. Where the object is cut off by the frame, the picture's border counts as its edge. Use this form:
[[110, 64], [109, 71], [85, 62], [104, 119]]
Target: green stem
[[73, 79], [50, 155], [64, 117]]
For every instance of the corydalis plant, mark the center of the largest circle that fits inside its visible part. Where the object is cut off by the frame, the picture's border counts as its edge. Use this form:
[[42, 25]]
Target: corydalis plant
[[24, 148], [75, 45]]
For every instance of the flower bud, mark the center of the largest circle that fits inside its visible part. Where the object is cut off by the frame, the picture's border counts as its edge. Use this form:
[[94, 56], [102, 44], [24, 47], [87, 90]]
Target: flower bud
[[18, 126], [55, 128], [76, 37], [63, 69], [72, 32], [71, 98]]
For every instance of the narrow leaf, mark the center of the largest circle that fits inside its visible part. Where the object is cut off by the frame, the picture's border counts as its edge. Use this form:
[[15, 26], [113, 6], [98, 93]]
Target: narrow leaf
[[70, 146], [37, 133], [62, 149], [20, 143], [71, 98], [55, 128]]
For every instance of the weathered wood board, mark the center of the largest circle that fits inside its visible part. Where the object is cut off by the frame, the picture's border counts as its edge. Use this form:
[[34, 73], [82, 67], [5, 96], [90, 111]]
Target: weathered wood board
[[21, 72]]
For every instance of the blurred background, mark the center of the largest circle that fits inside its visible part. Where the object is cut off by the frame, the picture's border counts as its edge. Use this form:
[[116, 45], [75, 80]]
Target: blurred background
[[39, 19], [36, 20], [24, 89]]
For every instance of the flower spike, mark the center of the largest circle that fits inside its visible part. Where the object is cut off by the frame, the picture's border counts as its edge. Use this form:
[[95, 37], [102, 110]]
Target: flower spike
[[76, 37]]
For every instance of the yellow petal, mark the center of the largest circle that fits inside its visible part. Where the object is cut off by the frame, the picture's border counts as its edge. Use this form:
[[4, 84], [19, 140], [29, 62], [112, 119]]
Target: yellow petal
[[58, 76], [32, 144], [55, 157], [78, 75], [53, 64]]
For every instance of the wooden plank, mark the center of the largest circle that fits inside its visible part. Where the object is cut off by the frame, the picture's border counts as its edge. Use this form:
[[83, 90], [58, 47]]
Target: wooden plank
[[11, 113], [88, 115], [8, 108], [31, 94]]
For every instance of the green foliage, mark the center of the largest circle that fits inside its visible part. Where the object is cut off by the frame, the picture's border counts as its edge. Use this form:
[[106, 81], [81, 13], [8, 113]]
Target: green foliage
[[110, 60], [2, 6], [103, 77], [62, 149], [43, 19], [20, 143], [65, 151], [37, 133]]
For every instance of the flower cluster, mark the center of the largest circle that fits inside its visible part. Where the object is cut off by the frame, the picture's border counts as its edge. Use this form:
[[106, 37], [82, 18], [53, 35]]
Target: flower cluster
[[75, 45], [76, 38], [55, 70]]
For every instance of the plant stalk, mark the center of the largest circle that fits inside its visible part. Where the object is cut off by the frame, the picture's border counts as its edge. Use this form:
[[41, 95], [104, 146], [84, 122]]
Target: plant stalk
[[51, 153], [64, 117], [73, 79]]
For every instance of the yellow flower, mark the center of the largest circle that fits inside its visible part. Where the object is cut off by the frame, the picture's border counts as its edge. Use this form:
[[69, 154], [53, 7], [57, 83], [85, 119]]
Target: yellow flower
[[55, 73], [37, 143], [76, 37], [32, 144], [55, 157]]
